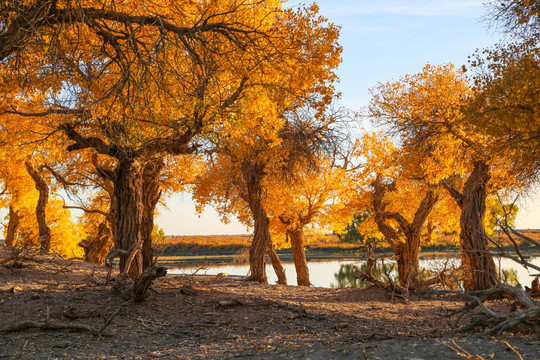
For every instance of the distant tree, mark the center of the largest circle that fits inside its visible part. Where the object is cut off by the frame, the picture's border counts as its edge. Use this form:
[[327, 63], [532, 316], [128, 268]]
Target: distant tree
[[351, 233], [429, 112], [400, 199], [311, 198]]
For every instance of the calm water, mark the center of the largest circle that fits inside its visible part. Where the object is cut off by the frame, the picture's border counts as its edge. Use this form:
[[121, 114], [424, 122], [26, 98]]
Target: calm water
[[336, 273]]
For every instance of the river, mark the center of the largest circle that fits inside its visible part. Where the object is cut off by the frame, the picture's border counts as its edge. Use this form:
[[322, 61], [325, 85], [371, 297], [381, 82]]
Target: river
[[339, 273]]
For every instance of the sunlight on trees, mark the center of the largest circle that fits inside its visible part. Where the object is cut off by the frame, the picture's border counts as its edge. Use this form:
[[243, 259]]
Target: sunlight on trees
[[108, 107]]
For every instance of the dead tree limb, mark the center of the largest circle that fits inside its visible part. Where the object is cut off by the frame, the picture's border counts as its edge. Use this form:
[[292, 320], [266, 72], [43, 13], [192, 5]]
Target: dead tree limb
[[492, 322], [367, 275], [136, 290]]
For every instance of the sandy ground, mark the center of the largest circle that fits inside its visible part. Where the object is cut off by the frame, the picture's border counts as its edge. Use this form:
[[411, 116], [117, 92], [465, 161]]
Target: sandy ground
[[193, 317]]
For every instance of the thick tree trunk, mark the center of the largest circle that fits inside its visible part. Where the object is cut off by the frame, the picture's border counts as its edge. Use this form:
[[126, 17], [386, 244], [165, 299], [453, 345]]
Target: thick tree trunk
[[277, 265], [478, 264], [408, 264], [261, 241], [253, 175], [13, 226], [407, 249], [43, 189], [128, 181], [150, 196], [299, 256], [97, 248]]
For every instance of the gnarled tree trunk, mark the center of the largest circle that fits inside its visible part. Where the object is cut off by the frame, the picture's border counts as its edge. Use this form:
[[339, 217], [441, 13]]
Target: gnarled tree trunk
[[97, 248], [477, 262], [43, 189], [277, 265], [407, 249], [128, 181], [299, 256], [13, 226], [408, 263], [253, 175], [150, 196]]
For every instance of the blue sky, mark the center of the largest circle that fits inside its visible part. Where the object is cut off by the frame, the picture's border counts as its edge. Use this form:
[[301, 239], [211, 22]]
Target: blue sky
[[382, 40]]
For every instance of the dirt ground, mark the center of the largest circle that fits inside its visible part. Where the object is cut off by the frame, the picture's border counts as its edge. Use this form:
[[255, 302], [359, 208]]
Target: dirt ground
[[194, 317]]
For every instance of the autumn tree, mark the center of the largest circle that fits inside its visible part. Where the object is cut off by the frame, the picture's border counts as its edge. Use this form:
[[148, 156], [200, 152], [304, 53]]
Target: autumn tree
[[249, 167], [312, 194], [36, 214], [400, 199], [234, 183], [507, 77], [310, 198], [428, 111], [138, 83], [265, 139]]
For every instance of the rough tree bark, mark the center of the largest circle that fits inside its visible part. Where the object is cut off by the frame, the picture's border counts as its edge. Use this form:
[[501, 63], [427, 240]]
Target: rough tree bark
[[277, 265], [97, 248], [477, 262], [150, 196], [128, 183], [43, 189], [253, 175], [13, 226], [299, 256], [407, 249]]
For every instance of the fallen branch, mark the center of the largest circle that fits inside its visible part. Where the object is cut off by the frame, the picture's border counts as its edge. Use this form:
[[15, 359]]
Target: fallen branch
[[143, 282], [491, 322], [136, 290], [460, 350], [216, 278], [512, 349], [366, 275]]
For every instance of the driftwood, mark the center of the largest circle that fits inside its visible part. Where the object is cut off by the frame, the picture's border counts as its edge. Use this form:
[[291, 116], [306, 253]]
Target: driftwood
[[524, 315], [217, 278], [136, 290], [366, 275], [534, 290], [227, 303]]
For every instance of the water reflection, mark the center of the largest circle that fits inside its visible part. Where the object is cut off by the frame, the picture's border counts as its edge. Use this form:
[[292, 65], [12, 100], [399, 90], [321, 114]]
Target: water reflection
[[323, 273], [348, 275]]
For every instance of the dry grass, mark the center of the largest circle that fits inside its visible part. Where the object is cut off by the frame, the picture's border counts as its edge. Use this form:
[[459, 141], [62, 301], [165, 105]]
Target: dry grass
[[236, 243], [232, 244]]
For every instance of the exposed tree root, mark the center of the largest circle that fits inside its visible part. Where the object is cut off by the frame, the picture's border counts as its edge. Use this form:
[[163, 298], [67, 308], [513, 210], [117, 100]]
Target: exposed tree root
[[143, 282], [524, 316], [136, 290]]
